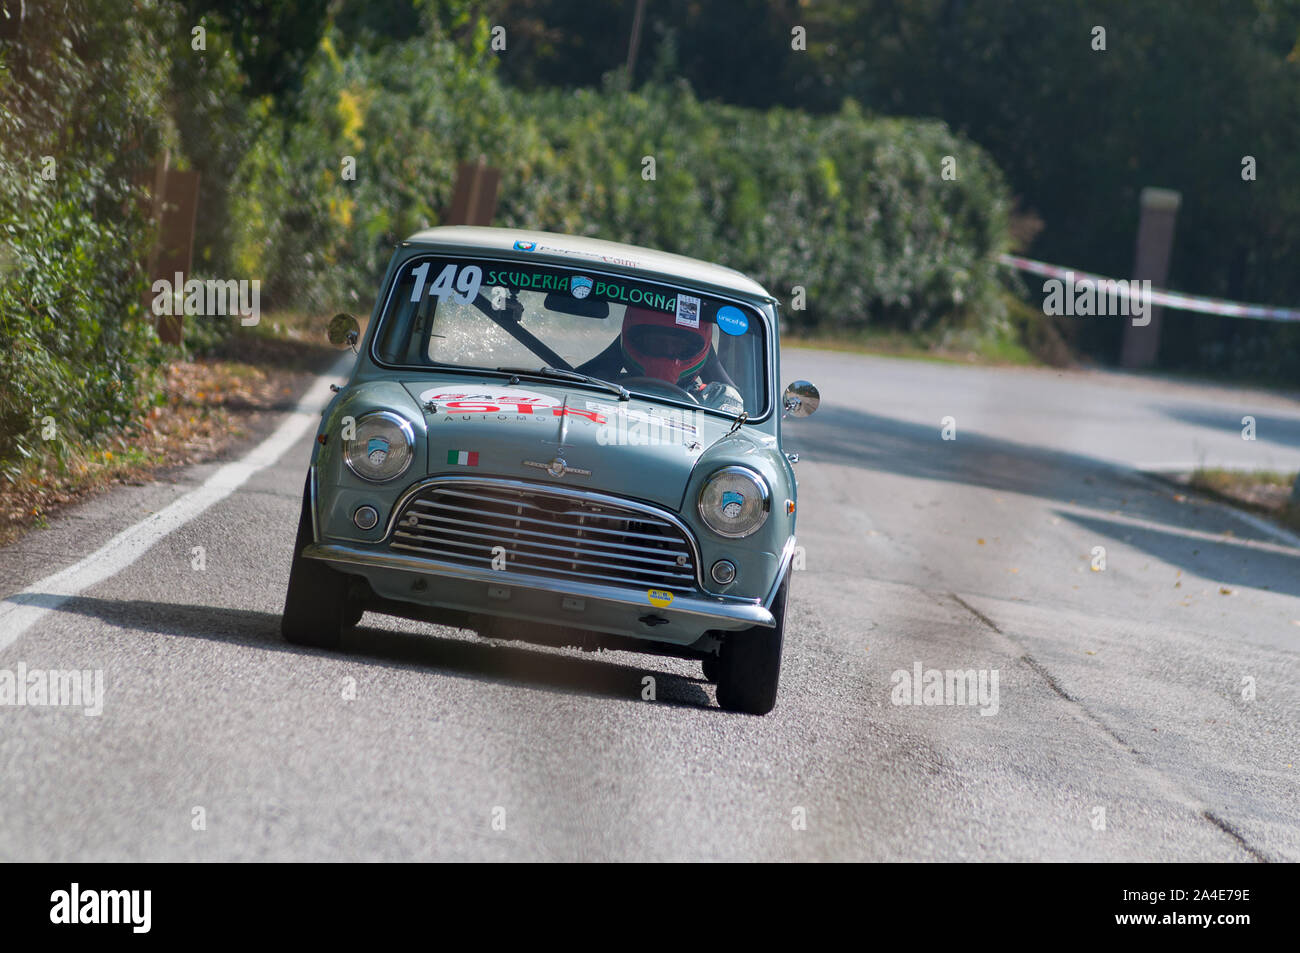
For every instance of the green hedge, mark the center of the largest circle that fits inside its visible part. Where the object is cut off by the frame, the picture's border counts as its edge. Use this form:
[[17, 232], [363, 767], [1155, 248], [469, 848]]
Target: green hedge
[[851, 208], [80, 86]]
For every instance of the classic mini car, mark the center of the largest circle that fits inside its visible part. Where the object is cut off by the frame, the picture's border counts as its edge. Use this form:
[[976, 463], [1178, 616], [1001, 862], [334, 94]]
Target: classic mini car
[[564, 441]]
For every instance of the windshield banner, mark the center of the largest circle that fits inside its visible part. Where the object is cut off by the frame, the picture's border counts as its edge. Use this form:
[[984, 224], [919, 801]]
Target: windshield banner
[[582, 286]]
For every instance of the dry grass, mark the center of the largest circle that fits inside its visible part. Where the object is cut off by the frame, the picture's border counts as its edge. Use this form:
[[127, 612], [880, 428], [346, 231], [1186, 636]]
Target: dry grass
[[1261, 491]]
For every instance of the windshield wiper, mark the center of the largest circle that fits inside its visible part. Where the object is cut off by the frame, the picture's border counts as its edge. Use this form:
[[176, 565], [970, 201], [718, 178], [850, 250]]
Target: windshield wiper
[[548, 371]]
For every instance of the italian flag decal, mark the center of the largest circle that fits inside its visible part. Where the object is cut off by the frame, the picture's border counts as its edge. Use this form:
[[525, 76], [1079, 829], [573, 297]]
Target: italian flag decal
[[462, 458]]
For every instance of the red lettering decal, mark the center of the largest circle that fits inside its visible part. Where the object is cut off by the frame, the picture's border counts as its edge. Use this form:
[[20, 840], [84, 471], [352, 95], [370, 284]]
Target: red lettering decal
[[475, 404], [594, 416]]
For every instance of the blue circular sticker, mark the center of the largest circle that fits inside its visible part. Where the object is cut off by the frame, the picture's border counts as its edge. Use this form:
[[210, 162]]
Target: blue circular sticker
[[732, 320]]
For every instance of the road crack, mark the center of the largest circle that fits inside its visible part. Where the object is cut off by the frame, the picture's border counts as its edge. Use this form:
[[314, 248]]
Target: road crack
[[1092, 717]]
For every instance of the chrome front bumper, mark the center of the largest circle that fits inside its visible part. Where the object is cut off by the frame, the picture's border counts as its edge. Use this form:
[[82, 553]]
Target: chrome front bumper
[[586, 605]]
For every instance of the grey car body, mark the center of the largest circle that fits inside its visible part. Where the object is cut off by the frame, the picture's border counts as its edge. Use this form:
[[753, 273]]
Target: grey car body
[[564, 530]]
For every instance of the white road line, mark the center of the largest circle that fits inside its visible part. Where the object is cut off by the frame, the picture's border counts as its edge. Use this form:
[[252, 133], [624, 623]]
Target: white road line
[[1286, 546], [1264, 526], [22, 610], [1283, 536], [1249, 466]]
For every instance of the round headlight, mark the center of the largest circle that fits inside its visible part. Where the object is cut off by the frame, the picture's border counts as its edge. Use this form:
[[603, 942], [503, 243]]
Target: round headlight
[[380, 448], [734, 502]]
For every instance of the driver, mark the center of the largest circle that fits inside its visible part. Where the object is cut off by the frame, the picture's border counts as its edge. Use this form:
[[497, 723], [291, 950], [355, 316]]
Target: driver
[[653, 344]]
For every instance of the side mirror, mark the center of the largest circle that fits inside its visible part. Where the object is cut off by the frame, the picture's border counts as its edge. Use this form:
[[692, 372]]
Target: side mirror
[[800, 399], [343, 331]]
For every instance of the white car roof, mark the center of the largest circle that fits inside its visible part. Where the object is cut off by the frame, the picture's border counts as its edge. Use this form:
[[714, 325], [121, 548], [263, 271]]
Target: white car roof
[[566, 249]]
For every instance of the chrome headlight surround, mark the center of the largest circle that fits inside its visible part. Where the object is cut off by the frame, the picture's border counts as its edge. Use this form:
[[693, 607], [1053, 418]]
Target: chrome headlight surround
[[386, 427], [728, 516]]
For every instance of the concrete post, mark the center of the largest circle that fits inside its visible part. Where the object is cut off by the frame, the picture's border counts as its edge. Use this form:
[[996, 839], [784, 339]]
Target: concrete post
[[1155, 241]]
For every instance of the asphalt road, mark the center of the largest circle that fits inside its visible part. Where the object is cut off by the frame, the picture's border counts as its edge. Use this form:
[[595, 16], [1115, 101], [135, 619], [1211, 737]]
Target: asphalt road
[[1159, 694]]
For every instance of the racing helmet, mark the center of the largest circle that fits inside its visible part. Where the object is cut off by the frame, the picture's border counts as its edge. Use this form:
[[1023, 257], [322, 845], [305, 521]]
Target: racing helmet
[[655, 345]]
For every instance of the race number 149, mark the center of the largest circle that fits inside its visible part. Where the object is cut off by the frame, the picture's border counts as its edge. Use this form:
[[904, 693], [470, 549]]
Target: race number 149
[[461, 284]]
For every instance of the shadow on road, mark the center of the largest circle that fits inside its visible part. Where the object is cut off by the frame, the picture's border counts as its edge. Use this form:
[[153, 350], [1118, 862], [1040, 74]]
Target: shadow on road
[[857, 438], [850, 437], [1226, 561], [458, 656]]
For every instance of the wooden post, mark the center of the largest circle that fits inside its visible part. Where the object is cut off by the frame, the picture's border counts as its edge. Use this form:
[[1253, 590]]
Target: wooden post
[[175, 249], [1155, 242], [475, 200]]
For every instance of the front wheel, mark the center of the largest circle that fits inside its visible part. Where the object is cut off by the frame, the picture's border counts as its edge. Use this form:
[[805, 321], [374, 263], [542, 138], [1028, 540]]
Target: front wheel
[[749, 665], [317, 610]]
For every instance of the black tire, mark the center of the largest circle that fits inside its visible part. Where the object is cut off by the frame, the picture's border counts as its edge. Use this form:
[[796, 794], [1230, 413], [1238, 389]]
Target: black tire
[[749, 666], [317, 610], [712, 667], [355, 611]]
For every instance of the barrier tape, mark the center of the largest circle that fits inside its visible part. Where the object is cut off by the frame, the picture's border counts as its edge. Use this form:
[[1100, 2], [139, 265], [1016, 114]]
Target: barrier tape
[[1168, 299]]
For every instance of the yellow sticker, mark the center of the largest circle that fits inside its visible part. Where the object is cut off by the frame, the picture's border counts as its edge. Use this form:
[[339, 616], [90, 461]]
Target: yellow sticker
[[660, 597]]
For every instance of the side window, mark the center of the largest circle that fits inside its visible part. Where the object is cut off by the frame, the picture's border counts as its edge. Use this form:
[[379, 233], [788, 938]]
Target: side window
[[738, 340], [401, 326]]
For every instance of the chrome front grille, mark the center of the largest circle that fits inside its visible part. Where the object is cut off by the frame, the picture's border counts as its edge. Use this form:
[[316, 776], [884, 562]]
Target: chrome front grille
[[546, 532]]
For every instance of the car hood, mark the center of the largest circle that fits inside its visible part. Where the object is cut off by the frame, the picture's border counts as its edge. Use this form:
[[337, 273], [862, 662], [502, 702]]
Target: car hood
[[636, 448]]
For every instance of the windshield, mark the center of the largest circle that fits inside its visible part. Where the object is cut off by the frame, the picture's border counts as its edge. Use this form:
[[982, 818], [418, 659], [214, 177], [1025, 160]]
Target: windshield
[[656, 340]]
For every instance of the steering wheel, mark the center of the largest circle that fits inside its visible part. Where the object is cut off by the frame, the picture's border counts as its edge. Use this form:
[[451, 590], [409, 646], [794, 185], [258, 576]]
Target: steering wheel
[[652, 382]]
